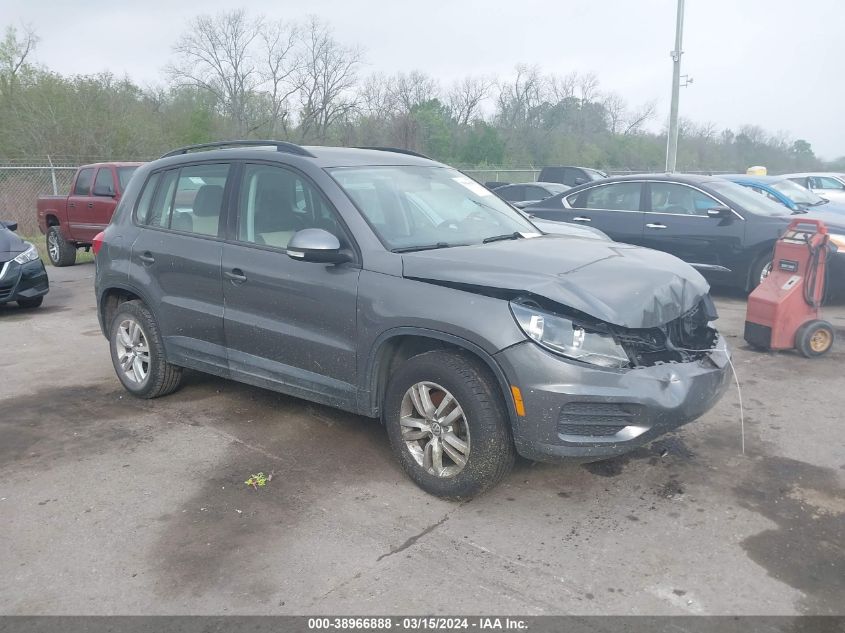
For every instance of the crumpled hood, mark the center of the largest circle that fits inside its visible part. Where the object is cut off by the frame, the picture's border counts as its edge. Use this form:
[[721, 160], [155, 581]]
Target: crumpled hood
[[10, 245], [617, 283]]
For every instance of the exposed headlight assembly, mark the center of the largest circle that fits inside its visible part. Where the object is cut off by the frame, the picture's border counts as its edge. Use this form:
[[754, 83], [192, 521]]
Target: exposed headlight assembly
[[561, 336], [28, 255]]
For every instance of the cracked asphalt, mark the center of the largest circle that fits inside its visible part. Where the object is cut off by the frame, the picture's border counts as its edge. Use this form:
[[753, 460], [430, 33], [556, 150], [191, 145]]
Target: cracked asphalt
[[112, 505]]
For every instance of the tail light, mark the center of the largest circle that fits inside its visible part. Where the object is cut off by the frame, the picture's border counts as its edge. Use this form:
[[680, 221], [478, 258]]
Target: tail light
[[97, 242]]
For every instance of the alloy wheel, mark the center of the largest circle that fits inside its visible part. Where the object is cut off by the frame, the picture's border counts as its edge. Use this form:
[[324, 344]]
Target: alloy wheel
[[133, 351], [434, 429], [53, 246]]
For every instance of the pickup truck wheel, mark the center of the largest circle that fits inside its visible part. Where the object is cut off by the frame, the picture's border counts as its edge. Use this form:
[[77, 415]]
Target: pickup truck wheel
[[59, 250], [137, 353], [448, 424]]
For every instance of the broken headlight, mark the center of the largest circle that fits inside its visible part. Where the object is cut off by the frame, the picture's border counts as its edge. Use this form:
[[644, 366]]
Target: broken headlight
[[562, 336]]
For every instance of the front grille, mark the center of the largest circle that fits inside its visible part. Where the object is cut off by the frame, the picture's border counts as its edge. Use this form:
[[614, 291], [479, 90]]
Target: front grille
[[596, 419]]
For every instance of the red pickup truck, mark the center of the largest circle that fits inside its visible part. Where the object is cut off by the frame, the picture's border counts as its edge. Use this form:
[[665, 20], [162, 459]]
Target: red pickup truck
[[72, 221]]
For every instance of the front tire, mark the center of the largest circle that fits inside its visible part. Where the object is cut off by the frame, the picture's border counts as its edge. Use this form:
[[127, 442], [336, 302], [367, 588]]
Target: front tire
[[137, 353], [31, 303], [59, 250], [448, 424]]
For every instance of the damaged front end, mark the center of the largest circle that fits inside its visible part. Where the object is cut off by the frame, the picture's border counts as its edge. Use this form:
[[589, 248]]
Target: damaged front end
[[581, 337]]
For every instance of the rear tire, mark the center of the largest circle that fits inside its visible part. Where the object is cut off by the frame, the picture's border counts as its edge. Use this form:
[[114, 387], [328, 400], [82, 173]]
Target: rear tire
[[814, 338], [448, 454], [31, 303], [59, 251], [137, 353], [760, 269]]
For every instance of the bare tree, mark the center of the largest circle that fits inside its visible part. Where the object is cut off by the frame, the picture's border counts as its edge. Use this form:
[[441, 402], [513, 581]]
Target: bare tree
[[327, 75], [562, 87], [465, 97], [616, 109], [215, 54], [14, 52], [377, 96], [518, 101], [636, 119], [280, 71], [413, 89]]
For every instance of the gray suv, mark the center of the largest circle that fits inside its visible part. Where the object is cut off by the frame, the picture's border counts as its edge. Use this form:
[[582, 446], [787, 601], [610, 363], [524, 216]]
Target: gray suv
[[389, 285]]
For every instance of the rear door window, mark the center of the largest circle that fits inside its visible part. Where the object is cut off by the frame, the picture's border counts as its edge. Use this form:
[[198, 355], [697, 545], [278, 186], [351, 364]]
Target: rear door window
[[104, 183], [513, 193], [83, 182], [198, 200], [619, 196]]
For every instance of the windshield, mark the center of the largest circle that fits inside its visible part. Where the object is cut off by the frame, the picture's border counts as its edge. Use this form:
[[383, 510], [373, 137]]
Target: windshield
[[747, 198], [426, 207], [796, 192], [123, 175]]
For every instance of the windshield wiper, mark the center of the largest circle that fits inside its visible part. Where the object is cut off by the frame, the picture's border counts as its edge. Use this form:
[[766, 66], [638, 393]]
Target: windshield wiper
[[507, 236], [424, 247]]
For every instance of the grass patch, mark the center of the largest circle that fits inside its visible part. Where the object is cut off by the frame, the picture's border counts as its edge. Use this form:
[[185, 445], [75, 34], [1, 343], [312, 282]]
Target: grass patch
[[40, 242]]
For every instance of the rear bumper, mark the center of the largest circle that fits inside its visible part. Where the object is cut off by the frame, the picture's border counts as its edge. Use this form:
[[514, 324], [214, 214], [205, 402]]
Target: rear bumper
[[23, 281], [576, 411]]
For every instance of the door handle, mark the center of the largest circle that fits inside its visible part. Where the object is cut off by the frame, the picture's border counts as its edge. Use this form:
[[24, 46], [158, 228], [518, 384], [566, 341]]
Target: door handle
[[582, 218], [90, 205], [71, 205], [236, 276], [146, 257], [656, 226]]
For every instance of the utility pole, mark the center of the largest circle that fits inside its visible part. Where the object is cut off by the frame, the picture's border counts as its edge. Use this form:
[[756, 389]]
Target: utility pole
[[672, 140]]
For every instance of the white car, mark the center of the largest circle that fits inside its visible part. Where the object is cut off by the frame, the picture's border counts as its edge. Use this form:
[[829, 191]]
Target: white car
[[830, 185]]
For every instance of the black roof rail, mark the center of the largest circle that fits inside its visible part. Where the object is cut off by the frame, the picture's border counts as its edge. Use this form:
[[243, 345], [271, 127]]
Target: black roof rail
[[281, 146], [398, 150]]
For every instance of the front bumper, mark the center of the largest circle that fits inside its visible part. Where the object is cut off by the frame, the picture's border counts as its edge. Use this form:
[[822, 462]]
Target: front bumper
[[573, 410], [23, 281]]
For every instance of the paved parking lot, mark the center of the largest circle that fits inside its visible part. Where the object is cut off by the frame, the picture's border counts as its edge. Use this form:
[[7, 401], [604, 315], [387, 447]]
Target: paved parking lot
[[110, 504]]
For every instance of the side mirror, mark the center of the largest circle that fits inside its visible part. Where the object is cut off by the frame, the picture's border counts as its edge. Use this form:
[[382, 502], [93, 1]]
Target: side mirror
[[580, 181], [12, 226], [522, 203], [719, 212], [103, 190], [317, 245]]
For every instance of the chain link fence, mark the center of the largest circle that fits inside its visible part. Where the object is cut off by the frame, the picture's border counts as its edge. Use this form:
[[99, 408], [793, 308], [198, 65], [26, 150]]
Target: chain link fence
[[20, 186]]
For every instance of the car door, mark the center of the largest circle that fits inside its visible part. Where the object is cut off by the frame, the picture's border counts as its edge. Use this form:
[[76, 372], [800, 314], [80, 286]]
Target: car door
[[613, 208], [825, 184], [176, 260], [78, 211], [101, 204], [677, 222], [289, 324]]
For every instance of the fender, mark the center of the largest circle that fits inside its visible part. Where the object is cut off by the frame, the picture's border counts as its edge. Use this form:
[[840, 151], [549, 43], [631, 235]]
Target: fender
[[369, 396], [118, 286]]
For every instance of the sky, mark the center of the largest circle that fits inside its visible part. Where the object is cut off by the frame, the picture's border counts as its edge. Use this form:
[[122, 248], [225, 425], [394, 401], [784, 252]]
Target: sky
[[773, 63]]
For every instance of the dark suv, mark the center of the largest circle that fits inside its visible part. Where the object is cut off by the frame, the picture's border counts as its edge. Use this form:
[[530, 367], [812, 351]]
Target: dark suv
[[392, 286]]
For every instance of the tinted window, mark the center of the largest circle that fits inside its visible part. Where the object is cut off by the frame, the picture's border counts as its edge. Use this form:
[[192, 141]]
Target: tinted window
[[199, 199], [512, 194], [620, 196], [142, 211], [533, 192], [104, 181], [123, 175], [83, 182], [275, 203], [669, 197]]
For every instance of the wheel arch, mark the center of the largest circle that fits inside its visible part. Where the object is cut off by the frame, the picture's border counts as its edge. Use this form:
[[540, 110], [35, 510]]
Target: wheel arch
[[397, 345], [110, 299]]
